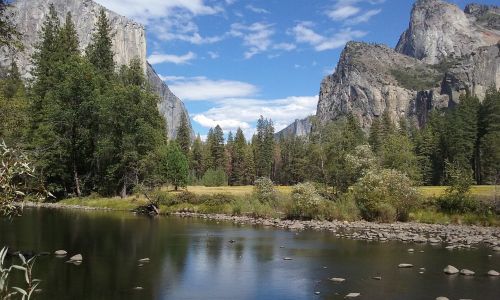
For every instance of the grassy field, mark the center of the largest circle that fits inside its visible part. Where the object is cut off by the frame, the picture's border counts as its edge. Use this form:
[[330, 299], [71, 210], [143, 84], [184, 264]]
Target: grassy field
[[243, 203]]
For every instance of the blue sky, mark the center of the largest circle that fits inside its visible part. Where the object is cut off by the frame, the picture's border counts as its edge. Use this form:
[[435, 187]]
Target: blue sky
[[231, 61]]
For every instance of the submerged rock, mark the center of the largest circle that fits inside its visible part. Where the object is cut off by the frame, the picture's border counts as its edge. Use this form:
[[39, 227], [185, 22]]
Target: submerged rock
[[76, 258], [337, 279], [352, 295], [405, 266], [493, 273], [61, 253]]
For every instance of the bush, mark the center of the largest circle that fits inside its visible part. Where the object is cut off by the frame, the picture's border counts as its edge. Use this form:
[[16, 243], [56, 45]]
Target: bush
[[216, 199], [187, 197], [385, 195], [164, 198], [457, 198], [213, 178], [264, 190], [307, 203]]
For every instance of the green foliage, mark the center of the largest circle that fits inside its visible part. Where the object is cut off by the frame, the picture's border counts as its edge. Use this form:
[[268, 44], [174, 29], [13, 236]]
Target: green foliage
[[416, 79], [184, 135], [213, 178], [17, 180], [263, 144], [398, 152], [457, 198], [238, 160], [175, 166], [99, 51], [264, 190], [197, 160], [385, 195], [26, 267], [215, 149], [307, 202], [187, 197]]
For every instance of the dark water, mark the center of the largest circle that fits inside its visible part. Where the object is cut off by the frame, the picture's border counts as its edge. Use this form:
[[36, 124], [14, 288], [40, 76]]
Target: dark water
[[193, 259]]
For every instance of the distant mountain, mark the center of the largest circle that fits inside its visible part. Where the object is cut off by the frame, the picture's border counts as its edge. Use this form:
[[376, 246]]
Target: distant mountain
[[444, 53], [298, 128], [129, 41]]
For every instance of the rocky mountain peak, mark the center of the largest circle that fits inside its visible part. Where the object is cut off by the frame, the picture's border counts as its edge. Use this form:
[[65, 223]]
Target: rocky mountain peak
[[440, 30]]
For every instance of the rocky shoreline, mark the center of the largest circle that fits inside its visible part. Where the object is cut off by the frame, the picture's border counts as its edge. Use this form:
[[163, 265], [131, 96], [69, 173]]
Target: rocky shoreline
[[450, 236]]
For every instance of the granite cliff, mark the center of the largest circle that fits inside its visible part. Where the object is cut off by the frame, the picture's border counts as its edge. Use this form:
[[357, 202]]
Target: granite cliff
[[129, 41], [445, 52]]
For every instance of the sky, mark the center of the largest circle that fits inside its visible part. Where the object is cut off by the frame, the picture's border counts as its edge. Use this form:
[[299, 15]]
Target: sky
[[231, 61]]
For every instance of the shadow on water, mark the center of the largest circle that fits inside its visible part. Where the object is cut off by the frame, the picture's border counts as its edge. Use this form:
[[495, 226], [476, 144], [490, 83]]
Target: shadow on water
[[195, 259]]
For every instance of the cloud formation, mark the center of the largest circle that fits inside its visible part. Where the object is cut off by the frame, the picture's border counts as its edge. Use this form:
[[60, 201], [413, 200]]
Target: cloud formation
[[203, 89], [304, 33], [159, 58]]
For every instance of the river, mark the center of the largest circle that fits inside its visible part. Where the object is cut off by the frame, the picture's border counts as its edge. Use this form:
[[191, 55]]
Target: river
[[202, 259]]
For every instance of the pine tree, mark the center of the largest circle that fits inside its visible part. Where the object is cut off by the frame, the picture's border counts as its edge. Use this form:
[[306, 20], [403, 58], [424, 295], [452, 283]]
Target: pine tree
[[238, 159], [99, 52], [175, 166], [197, 161], [264, 147], [489, 138], [184, 135], [215, 147]]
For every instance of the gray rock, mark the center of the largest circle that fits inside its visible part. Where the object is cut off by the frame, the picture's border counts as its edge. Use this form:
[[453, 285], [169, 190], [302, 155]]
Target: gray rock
[[298, 128], [496, 248], [76, 258], [467, 272], [493, 273], [405, 266], [352, 295], [60, 252], [129, 41], [442, 298], [337, 279], [450, 270], [439, 30]]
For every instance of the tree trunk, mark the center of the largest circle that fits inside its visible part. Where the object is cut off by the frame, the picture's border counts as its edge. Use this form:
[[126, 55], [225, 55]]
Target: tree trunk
[[77, 181], [123, 192]]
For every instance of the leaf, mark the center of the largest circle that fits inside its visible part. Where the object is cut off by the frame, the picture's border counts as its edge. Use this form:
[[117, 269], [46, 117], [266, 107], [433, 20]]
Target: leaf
[[20, 290]]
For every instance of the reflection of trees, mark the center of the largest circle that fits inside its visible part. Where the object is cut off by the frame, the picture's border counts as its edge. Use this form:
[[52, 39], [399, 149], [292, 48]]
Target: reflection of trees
[[110, 244]]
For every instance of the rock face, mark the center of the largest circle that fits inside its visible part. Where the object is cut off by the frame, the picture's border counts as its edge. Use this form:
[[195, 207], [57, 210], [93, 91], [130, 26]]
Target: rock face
[[129, 42], [445, 53], [440, 30], [298, 128]]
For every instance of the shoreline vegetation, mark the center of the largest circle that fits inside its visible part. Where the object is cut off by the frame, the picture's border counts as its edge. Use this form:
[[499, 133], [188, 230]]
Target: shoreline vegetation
[[241, 202]]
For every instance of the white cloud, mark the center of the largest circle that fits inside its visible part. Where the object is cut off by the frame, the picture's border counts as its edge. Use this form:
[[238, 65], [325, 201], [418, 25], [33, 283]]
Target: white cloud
[[350, 13], [363, 18], [285, 46], [282, 111], [213, 54], [343, 12], [304, 33], [256, 37], [150, 9], [256, 10], [202, 88], [159, 58]]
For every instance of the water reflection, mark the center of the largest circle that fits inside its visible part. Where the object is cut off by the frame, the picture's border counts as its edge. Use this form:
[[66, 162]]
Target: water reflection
[[194, 259]]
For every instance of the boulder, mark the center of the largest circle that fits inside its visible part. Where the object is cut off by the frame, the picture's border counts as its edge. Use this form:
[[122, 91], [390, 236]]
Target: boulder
[[450, 270]]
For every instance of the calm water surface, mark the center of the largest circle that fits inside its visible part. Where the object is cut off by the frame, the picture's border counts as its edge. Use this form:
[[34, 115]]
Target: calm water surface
[[193, 259]]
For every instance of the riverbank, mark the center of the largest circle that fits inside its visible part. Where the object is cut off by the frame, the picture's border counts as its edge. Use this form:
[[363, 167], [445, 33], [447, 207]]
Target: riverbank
[[451, 236]]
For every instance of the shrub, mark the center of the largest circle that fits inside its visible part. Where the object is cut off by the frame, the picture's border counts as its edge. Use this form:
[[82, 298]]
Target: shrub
[[306, 201], [457, 198], [213, 178], [164, 198], [264, 190], [385, 195], [187, 197], [216, 199]]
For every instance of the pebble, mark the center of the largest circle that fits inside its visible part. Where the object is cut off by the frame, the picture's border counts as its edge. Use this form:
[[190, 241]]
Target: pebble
[[337, 279], [144, 260], [377, 278], [405, 266], [352, 295], [138, 288], [411, 250], [442, 298], [287, 258], [317, 293], [61, 253], [493, 273], [450, 270], [467, 272]]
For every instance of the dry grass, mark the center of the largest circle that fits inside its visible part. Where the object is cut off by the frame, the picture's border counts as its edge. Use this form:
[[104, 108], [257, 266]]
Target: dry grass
[[481, 191], [230, 190]]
